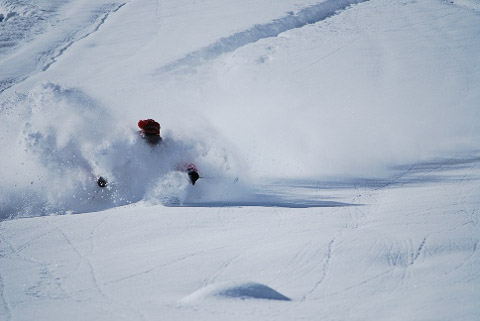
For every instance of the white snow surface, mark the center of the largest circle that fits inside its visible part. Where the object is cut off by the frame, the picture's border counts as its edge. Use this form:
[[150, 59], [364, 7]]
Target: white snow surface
[[338, 143], [402, 250]]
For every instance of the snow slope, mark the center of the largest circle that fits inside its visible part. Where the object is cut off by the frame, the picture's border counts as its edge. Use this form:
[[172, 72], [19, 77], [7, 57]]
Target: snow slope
[[301, 116], [287, 91], [407, 250], [35, 33]]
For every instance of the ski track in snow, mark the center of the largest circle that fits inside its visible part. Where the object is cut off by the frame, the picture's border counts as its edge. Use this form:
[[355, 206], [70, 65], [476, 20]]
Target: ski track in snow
[[51, 285], [20, 20], [8, 309], [221, 269], [114, 307], [325, 265], [396, 260], [3, 297], [49, 56], [391, 261], [465, 4], [153, 268], [61, 50], [309, 15], [401, 255]]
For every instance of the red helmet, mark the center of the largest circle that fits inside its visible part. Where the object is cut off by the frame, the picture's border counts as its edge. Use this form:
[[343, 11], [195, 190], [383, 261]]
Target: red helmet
[[149, 126]]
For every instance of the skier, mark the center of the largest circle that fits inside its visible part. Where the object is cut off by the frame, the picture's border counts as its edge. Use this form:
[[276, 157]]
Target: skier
[[191, 170], [150, 131]]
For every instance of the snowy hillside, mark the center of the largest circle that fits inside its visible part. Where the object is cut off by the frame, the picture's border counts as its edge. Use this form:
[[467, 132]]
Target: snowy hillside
[[403, 251], [338, 144]]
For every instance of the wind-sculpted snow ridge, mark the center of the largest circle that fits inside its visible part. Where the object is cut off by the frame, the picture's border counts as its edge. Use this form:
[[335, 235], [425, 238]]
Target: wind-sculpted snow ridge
[[304, 17], [56, 143]]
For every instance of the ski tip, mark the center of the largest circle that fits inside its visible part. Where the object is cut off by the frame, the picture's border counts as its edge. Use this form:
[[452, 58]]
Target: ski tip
[[102, 182]]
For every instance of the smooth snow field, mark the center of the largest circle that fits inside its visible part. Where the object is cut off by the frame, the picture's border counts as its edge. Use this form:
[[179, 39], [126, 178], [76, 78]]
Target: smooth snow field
[[338, 144]]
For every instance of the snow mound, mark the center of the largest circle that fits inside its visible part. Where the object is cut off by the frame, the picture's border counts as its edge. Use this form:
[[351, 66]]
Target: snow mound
[[243, 291]]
